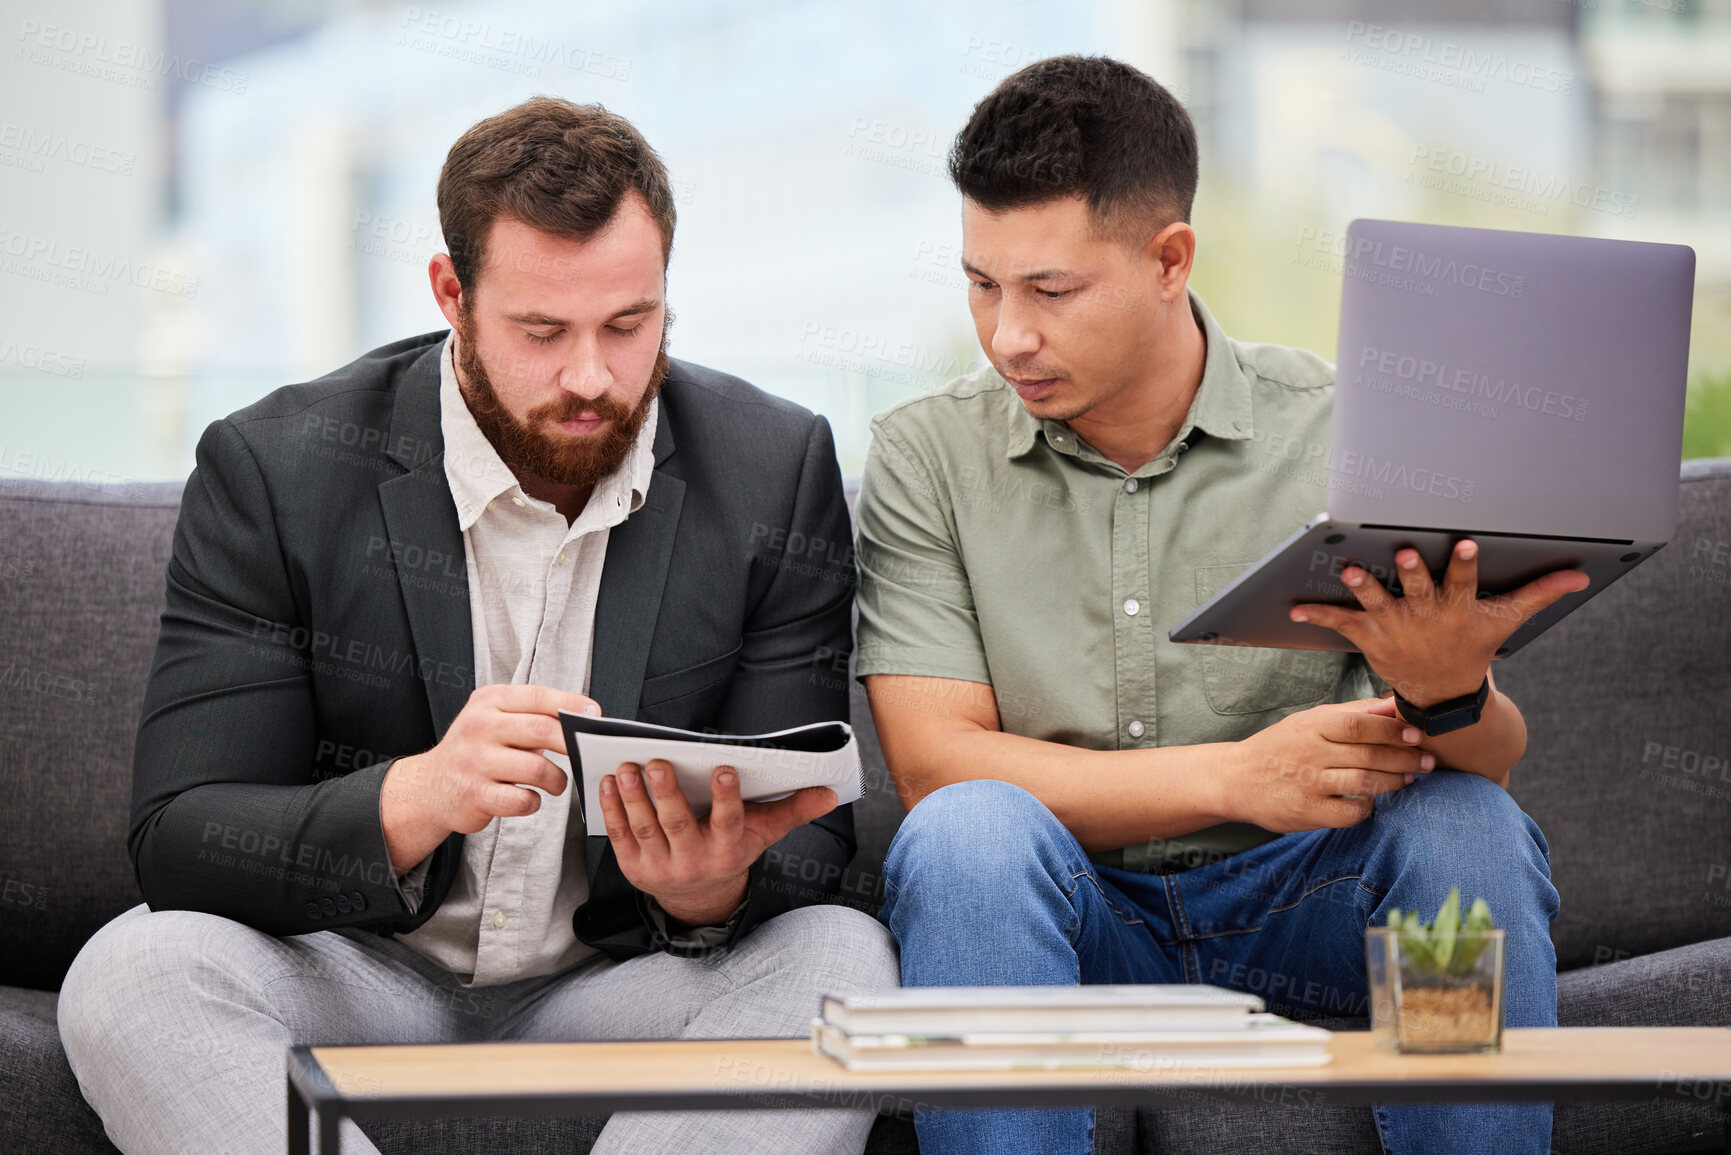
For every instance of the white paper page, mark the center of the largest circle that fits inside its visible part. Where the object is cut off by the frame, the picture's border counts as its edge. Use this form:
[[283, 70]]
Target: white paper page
[[765, 773]]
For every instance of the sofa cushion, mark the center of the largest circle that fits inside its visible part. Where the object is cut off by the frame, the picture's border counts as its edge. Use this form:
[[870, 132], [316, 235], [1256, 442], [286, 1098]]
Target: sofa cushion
[[876, 816], [41, 1107], [1628, 763], [1689, 986], [82, 579]]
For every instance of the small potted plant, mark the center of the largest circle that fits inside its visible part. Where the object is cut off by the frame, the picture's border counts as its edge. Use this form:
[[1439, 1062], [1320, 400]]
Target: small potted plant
[[1437, 988]]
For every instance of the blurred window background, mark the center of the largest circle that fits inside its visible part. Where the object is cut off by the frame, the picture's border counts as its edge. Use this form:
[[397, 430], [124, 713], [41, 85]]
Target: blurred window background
[[201, 200]]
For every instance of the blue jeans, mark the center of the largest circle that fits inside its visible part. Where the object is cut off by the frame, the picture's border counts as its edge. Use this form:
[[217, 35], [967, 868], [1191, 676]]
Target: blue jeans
[[983, 887]]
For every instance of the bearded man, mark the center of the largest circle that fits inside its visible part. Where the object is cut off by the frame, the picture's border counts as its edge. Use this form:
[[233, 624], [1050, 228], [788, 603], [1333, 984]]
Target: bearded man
[[351, 820]]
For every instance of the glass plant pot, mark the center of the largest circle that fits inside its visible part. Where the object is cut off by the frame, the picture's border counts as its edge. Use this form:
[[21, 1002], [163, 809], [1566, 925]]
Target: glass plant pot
[[1415, 1008]]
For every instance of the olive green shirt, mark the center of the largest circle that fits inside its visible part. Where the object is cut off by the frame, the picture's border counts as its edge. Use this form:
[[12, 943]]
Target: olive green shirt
[[997, 548]]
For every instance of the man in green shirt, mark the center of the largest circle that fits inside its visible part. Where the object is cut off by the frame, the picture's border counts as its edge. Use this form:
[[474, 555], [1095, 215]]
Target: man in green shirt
[[1088, 801]]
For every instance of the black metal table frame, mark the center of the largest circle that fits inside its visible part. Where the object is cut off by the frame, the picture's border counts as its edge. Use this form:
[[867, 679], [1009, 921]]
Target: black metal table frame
[[311, 1094]]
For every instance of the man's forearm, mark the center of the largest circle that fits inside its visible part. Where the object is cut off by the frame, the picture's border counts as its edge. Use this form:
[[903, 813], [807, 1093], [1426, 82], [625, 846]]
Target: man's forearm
[[1490, 747], [270, 856], [1106, 798]]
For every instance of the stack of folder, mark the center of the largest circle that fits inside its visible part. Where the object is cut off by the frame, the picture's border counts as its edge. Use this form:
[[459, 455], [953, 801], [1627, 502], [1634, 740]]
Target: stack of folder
[[1142, 1028]]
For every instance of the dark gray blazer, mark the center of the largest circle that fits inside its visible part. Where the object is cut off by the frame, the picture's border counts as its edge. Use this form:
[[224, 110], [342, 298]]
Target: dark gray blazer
[[317, 627]]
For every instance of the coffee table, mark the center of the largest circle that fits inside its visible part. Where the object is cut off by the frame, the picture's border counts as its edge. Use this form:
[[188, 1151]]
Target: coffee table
[[1689, 1064]]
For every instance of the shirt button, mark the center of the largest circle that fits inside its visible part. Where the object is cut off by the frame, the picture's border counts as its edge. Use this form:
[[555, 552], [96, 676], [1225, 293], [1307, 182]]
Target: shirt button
[[1183, 446], [499, 921], [1130, 486], [1132, 607], [491, 504], [518, 501], [1136, 729], [561, 558]]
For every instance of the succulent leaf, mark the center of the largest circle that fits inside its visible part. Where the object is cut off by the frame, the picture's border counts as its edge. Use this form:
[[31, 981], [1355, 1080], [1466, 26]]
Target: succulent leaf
[[1450, 945], [1448, 924]]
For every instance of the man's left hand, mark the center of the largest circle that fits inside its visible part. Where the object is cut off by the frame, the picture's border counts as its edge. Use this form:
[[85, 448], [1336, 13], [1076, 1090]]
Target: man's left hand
[[696, 868], [1435, 643]]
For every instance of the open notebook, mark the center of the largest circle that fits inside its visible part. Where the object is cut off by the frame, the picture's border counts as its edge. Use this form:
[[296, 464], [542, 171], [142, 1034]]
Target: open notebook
[[770, 766]]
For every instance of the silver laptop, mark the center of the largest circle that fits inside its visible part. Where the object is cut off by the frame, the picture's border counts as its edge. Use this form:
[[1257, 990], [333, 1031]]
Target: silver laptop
[[1522, 389]]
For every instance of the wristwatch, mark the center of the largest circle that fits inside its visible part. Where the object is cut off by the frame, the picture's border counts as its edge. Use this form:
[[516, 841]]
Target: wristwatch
[[1448, 715]]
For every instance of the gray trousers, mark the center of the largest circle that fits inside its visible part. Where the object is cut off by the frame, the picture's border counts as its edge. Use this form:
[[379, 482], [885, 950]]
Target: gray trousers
[[177, 1023]]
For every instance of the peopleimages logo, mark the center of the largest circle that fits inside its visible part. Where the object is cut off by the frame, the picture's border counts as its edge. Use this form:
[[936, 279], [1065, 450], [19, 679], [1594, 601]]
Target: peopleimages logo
[[86, 269], [1472, 383], [1454, 62], [505, 49], [1365, 467], [1414, 262], [1363, 472], [36, 145], [1497, 175], [136, 65]]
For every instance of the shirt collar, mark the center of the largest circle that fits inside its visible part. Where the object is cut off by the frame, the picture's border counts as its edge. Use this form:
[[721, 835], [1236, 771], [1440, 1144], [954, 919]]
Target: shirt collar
[[1221, 407], [478, 476]]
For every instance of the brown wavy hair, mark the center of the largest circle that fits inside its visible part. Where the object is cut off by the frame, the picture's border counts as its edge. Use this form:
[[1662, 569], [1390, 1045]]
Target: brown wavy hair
[[558, 167]]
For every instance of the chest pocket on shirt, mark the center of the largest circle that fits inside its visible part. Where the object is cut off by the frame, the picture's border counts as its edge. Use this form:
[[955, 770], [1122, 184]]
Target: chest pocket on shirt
[[1252, 679]]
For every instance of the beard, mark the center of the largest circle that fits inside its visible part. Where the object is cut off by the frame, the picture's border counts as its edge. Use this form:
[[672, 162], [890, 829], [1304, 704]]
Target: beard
[[534, 444]]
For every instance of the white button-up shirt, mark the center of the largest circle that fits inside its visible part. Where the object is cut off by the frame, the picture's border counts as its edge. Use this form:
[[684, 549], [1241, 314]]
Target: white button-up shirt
[[533, 583]]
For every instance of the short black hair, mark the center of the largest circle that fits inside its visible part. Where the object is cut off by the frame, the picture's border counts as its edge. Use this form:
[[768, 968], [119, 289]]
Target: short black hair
[[1085, 126]]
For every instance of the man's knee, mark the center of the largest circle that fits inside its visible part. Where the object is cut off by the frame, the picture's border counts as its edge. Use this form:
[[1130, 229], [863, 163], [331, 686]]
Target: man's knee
[[834, 945], [1464, 823], [117, 954], [1459, 803], [140, 960], [968, 829]]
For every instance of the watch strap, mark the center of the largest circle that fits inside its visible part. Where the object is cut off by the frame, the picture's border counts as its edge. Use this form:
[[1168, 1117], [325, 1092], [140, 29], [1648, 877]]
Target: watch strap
[[1448, 715]]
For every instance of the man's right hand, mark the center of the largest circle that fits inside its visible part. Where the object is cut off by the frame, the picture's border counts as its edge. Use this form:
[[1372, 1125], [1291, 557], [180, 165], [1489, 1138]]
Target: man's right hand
[[1298, 774], [480, 770]]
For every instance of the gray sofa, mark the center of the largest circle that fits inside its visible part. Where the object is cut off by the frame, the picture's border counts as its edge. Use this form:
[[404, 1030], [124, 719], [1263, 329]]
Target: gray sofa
[[1628, 772]]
